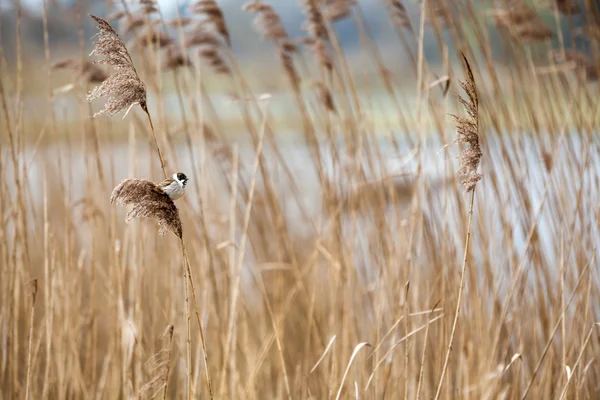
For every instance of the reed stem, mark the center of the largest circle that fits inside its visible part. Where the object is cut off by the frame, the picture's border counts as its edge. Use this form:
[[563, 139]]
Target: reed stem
[[33, 285], [202, 339], [459, 301], [162, 163]]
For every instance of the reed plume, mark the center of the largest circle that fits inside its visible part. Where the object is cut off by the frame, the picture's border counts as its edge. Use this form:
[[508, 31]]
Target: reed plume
[[175, 58], [200, 36], [177, 22], [116, 15], [325, 96], [210, 48], [148, 202], [573, 59], [438, 10], [522, 22], [124, 88], [315, 24], [159, 365], [148, 6], [468, 133], [568, 7], [131, 23], [213, 15], [215, 60], [319, 50], [398, 14], [267, 22], [337, 10], [470, 156], [154, 37], [87, 71], [290, 69], [317, 34]]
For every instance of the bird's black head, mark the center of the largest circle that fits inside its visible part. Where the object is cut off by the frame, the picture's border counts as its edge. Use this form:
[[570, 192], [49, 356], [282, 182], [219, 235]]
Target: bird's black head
[[182, 178]]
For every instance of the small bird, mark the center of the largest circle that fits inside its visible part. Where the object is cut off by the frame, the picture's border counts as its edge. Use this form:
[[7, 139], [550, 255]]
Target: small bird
[[174, 186]]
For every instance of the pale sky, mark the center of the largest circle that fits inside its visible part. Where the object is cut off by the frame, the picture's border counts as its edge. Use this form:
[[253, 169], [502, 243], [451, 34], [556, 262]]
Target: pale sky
[[167, 7]]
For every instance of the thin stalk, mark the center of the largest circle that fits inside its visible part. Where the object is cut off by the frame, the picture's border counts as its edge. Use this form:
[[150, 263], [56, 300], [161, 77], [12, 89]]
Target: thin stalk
[[33, 285], [188, 346], [569, 379], [458, 302], [202, 340], [170, 329], [421, 369], [162, 163]]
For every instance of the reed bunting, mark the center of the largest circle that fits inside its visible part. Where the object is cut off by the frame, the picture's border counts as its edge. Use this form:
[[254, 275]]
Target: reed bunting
[[174, 186]]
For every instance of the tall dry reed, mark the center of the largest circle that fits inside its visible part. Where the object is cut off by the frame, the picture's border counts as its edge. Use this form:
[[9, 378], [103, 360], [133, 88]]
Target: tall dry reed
[[329, 249]]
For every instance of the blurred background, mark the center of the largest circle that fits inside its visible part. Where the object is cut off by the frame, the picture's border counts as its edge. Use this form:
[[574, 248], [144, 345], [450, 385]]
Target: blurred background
[[336, 248]]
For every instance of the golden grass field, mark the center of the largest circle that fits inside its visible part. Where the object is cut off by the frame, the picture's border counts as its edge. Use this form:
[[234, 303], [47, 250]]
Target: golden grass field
[[333, 250]]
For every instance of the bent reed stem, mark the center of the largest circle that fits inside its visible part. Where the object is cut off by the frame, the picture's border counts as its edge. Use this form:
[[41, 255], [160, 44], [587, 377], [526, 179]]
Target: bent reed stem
[[162, 163], [459, 301]]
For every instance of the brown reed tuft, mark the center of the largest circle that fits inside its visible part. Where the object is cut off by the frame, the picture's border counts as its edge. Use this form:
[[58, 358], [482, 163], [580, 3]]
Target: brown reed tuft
[[213, 15], [398, 13], [215, 60], [438, 10], [211, 47], [337, 10], [123, 88], [154, 37], [148, 6], [87, 70], [117, 15], [315, 24], [325, 96], [468, 132], [131, 23], [175, 58], [288, 65], [177, 22], [319, 50], [268, 23], [317, 33], [148, 202], [522, 22], [532, 32], [200, 36], [568, 7], [159, 365], [580, 60]]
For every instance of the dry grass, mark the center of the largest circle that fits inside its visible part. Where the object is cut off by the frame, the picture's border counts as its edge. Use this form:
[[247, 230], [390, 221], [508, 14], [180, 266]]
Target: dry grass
[[348, 264]]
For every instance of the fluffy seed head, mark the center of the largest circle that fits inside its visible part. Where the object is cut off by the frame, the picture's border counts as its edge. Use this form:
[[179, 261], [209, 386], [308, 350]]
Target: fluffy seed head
[[337, 10], [468, 133], [87, 70], [315, 23], [175, 58], [123, 88], [155, 37], [325, 96], [148, 202], [267, 22], [214, 15], [398, 13]]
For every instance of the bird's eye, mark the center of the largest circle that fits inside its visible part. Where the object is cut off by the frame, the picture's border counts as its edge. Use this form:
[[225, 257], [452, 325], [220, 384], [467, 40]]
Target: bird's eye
[[181, 177]]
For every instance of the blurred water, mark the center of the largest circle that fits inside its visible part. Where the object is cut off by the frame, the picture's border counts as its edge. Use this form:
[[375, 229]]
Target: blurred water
[[499, 197]]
